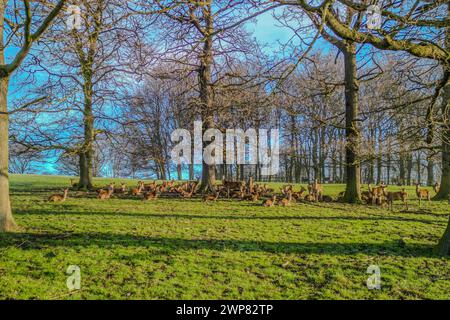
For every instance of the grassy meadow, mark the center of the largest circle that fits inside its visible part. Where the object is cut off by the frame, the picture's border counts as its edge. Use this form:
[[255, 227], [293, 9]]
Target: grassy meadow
[[184, 249]]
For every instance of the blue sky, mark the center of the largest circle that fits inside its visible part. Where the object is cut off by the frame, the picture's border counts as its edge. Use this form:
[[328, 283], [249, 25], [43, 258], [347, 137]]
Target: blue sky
[[265, 29]]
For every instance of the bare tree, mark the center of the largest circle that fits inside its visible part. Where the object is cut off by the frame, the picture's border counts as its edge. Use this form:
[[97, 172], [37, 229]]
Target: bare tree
[[23, 17]]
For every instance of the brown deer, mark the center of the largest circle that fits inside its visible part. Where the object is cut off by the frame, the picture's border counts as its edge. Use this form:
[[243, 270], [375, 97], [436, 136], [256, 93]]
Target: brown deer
[[58, 197], [137, 191], [422, 194], [150, 186], [286, 189], [286, 201], [270, 202], [316, 190], [210, 197], [251, 197], [122, 189], [106, 194], [366, 196], [239, 194], [399, 195], [151, 195], [436, 187], [326, 198], [186, 194], [377, 192], [268, 190], [299, 194]]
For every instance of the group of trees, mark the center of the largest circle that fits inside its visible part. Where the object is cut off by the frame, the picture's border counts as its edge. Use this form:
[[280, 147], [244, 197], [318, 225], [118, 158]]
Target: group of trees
[[354, 105]]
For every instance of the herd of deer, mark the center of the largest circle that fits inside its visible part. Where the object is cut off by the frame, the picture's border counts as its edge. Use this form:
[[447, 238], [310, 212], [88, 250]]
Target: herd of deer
[[379, 196], [252, 192]]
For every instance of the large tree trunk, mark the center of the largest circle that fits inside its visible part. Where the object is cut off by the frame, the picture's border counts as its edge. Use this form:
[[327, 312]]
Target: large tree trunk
[[444, 191], [6, 218], [353, 187], [87, 153], [84, 179], [206, 97]]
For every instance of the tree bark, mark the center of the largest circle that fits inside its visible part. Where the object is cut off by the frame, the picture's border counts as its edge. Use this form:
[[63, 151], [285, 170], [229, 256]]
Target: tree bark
[[444, 191], [87, 153], [430, 170], [206, 96], [353, 186], [444, 244], [6, 219]]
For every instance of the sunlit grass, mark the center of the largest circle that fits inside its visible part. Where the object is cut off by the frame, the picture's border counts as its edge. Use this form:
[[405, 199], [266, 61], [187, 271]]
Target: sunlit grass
[[184, 249]]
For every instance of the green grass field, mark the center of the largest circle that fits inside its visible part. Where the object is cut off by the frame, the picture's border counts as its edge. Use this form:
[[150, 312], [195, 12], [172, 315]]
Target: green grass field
[[184, 249]]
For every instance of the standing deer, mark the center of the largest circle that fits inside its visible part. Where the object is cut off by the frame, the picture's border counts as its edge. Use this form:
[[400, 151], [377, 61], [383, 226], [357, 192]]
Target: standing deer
[[210, 197], [316, 190], [422, 194], [436, 187], [399, 195]]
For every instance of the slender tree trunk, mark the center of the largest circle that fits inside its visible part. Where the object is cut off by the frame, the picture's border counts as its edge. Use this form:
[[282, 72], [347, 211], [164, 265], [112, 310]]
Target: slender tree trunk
[[419, 168], [402, 171], [388, 169], [430, 170], [314, 153], [409, 166], [353, 187], [379, 157]]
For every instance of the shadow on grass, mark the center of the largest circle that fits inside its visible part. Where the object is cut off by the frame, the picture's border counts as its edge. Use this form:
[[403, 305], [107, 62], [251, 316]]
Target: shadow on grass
[[36, 241], [119, 214]]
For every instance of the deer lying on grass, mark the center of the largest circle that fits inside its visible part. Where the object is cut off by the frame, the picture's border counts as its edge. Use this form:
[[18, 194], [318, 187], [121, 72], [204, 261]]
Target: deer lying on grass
[[239, 194], [299, 194], [286, 189], [122, 189], [286, 201], [326, 198], [251, 197], [270, 202], [310, 198], [149, 186], [151, 195], [422, 194], [210, 197], [58, 197], [106, 194], [399, 195], [137, 191], [186, 194], [267, 190]]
